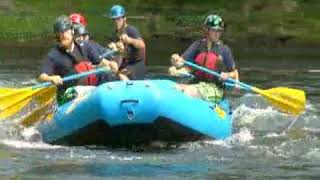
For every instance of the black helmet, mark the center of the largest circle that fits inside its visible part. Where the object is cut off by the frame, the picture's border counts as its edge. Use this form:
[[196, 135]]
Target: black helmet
[[80, 30], [62, 24]]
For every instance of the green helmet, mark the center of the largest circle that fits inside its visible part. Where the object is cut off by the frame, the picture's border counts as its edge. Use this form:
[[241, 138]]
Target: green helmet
[[62, 24], [214, 22]]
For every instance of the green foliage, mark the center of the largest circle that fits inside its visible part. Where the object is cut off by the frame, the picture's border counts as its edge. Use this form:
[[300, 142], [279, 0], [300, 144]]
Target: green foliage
[[266, 20]]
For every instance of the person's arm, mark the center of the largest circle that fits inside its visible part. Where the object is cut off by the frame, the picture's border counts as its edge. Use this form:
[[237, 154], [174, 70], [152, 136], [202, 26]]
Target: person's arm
[[138, 43], [133, 37], [55, 79], [232, 74], [114, 68], [188, 55], [47, 72], [117, 46], [184, 71], [109, 64], [95, 58], [228, 61], [111, 42], [191, 51]]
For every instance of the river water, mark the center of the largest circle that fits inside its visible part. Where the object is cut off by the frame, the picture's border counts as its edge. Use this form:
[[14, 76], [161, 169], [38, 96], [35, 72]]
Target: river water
[[266, 144]]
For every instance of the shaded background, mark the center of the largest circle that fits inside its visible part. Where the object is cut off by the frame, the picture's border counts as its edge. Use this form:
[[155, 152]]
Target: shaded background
[[249, 22], [266, 28]]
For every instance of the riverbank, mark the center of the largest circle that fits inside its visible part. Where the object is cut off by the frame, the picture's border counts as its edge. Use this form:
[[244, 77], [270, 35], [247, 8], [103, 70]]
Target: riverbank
[[250, 23]]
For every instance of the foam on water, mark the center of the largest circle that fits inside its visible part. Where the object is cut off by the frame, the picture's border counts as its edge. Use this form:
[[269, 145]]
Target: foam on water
[[263, 117], [313, 154], [99, 155], [243, 137], [125, 158], [20, 144], [14, 135], [244, 115], [312, 130]]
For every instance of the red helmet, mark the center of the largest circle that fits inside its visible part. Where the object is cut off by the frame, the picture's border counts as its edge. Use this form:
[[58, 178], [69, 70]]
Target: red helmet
[[78, 19]]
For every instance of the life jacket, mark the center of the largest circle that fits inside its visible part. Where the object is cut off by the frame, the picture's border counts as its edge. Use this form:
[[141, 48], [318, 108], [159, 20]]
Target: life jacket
[[208, 58], [82, 64]]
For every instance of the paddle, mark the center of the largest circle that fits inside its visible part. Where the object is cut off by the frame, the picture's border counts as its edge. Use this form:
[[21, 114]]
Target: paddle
[[286, 99], [13, 100], [226, 84]]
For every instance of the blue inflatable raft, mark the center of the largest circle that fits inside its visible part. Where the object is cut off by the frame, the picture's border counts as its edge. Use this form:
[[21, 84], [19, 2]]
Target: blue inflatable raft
[[134, 112]]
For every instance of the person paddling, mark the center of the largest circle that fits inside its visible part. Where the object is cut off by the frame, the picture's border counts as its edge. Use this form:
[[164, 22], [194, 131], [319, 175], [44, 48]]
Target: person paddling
[[210, 53], [79, 24], [81, 33], [68, 57], [129, 39]]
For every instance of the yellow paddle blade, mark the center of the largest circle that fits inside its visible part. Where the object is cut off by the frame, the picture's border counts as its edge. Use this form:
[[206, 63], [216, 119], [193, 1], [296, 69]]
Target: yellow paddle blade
[[4, 91], [14, 101], [42, 112], [292, 101], [9, 95], [11, 92]]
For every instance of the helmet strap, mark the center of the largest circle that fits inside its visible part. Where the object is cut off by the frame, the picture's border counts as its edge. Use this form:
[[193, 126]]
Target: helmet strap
[[124, 22]]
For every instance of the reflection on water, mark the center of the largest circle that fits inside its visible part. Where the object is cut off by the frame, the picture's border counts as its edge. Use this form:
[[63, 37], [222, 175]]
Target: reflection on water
[[266, 144]]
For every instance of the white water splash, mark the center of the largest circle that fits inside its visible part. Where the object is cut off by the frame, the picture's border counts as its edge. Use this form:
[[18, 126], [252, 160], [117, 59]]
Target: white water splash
[[29, 145], [74, 155], [268, 119], [244, 115], [309, 106], [312, 130], [31, 134], [29, 82], [244, 136], [131, 158], [273, 135], [16, 136], [217, 142], [313, 154], [79, 153]]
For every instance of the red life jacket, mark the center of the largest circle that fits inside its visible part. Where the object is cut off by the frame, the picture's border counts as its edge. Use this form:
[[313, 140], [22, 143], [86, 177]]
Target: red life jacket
[[84, 66], [206, 58], [81, 64]]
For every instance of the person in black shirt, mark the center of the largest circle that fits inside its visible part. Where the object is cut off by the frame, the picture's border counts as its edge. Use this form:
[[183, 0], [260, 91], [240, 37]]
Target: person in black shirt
[[69, 56], [130, 41]]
